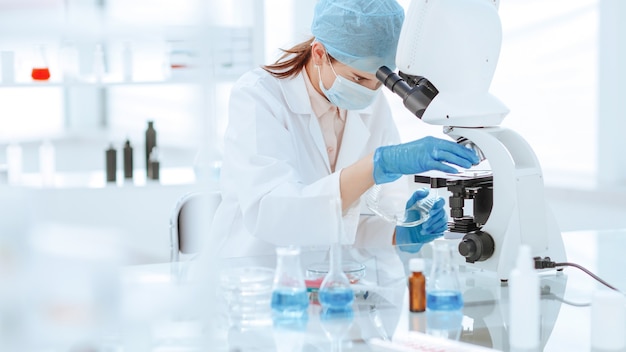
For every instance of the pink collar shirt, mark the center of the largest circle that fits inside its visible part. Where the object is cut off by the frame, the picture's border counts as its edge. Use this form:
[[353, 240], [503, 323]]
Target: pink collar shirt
[[332, 121]]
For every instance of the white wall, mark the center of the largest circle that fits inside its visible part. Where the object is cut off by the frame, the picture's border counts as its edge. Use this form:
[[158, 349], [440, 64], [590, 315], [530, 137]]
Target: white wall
[[612, 75]]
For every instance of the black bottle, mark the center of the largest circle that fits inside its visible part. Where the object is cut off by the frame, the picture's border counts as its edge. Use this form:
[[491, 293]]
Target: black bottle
[[111, 164], [128, 160], [150, 143]]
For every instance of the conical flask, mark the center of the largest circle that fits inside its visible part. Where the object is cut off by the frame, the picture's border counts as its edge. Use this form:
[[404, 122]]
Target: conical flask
[[443, 285], [444, 300], [40, 71], [289, 297]]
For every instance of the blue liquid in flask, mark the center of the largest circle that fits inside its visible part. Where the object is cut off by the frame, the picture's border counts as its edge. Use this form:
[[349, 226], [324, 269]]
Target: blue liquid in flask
[[444, 300], [336, 298], [290, 301]]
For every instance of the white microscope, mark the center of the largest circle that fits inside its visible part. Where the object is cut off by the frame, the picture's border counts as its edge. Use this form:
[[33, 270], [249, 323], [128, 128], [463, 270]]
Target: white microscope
[[447, 55]]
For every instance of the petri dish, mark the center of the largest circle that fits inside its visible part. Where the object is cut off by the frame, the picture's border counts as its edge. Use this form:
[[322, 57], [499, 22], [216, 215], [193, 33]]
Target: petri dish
[[353, 270], [257, 279], [392, 208], [246, 293]]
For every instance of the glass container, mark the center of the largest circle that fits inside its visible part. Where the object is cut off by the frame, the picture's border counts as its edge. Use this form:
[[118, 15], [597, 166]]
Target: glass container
[[392, 207], [417, 285], [444, 300], [289, 296], [246, 292], [40, 71], [353, 270], [335, 291], [443, 286]]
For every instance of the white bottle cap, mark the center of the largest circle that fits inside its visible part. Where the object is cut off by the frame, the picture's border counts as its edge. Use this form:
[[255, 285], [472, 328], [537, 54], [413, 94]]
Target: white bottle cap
[[608, 321], [416, 265]]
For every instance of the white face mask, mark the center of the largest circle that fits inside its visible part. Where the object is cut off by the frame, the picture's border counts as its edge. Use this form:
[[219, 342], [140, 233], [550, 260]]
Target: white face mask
[[346, 94]]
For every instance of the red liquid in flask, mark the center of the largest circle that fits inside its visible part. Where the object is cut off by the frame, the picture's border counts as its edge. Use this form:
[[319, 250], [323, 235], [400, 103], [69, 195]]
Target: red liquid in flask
[[40, 74]]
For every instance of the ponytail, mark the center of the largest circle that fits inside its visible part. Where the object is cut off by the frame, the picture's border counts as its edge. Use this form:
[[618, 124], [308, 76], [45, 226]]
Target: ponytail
[[292, 61]]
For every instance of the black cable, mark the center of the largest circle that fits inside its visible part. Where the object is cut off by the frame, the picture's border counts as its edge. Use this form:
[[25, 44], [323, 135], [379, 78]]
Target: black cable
[[588, 273], [544, 263]]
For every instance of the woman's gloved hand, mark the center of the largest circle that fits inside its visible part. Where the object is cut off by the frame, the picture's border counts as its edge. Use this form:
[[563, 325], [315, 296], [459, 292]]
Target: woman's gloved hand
[[433, 228], [429, 153]]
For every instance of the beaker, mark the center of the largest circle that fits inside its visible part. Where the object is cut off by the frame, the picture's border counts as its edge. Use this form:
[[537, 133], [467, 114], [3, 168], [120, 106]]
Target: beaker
[[40, 71], [289, 295]]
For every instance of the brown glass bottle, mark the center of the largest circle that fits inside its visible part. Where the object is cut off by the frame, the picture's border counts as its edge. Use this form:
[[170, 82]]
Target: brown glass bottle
[[128, 160], [151, 142], [417, 285], [111, 164]]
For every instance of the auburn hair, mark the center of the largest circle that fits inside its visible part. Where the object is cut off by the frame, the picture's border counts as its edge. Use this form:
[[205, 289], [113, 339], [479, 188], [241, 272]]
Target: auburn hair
[[292, 61]]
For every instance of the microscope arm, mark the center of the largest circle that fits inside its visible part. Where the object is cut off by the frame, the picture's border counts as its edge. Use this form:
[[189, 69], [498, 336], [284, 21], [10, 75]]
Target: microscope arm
[[519, 214]]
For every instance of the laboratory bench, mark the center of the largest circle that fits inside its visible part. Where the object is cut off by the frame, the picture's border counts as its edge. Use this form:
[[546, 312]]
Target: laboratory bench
[[163, 295], [69, 301]]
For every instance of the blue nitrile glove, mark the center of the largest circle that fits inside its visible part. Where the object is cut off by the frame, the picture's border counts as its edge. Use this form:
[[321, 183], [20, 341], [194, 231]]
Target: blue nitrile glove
[[434, 227], [428, 153]]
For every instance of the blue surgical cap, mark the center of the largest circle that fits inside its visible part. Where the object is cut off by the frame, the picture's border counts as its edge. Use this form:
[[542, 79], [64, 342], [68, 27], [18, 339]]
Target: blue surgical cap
[[360, 33]]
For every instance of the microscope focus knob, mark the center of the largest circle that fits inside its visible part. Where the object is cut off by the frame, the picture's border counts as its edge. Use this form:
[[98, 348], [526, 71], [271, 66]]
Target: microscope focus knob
[[476, 246]]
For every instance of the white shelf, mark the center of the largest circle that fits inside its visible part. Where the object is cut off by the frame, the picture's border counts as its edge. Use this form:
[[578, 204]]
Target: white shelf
[[116, 82], [86, 24], [97, 179]]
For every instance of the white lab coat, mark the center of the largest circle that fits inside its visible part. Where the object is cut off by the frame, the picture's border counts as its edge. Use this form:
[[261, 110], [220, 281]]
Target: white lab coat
[[276, 181]]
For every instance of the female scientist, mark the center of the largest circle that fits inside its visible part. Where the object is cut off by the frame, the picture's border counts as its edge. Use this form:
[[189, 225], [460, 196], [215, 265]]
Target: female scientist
[[314, 127]]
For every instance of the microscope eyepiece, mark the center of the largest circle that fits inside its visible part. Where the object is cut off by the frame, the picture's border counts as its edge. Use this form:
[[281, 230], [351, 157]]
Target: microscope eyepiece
[[416, 91]]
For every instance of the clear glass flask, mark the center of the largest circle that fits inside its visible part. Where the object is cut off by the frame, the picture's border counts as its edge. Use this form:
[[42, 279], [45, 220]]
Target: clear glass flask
[[444, 300], [443, 291], [40, 71], [335, 291], [289, 296]]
